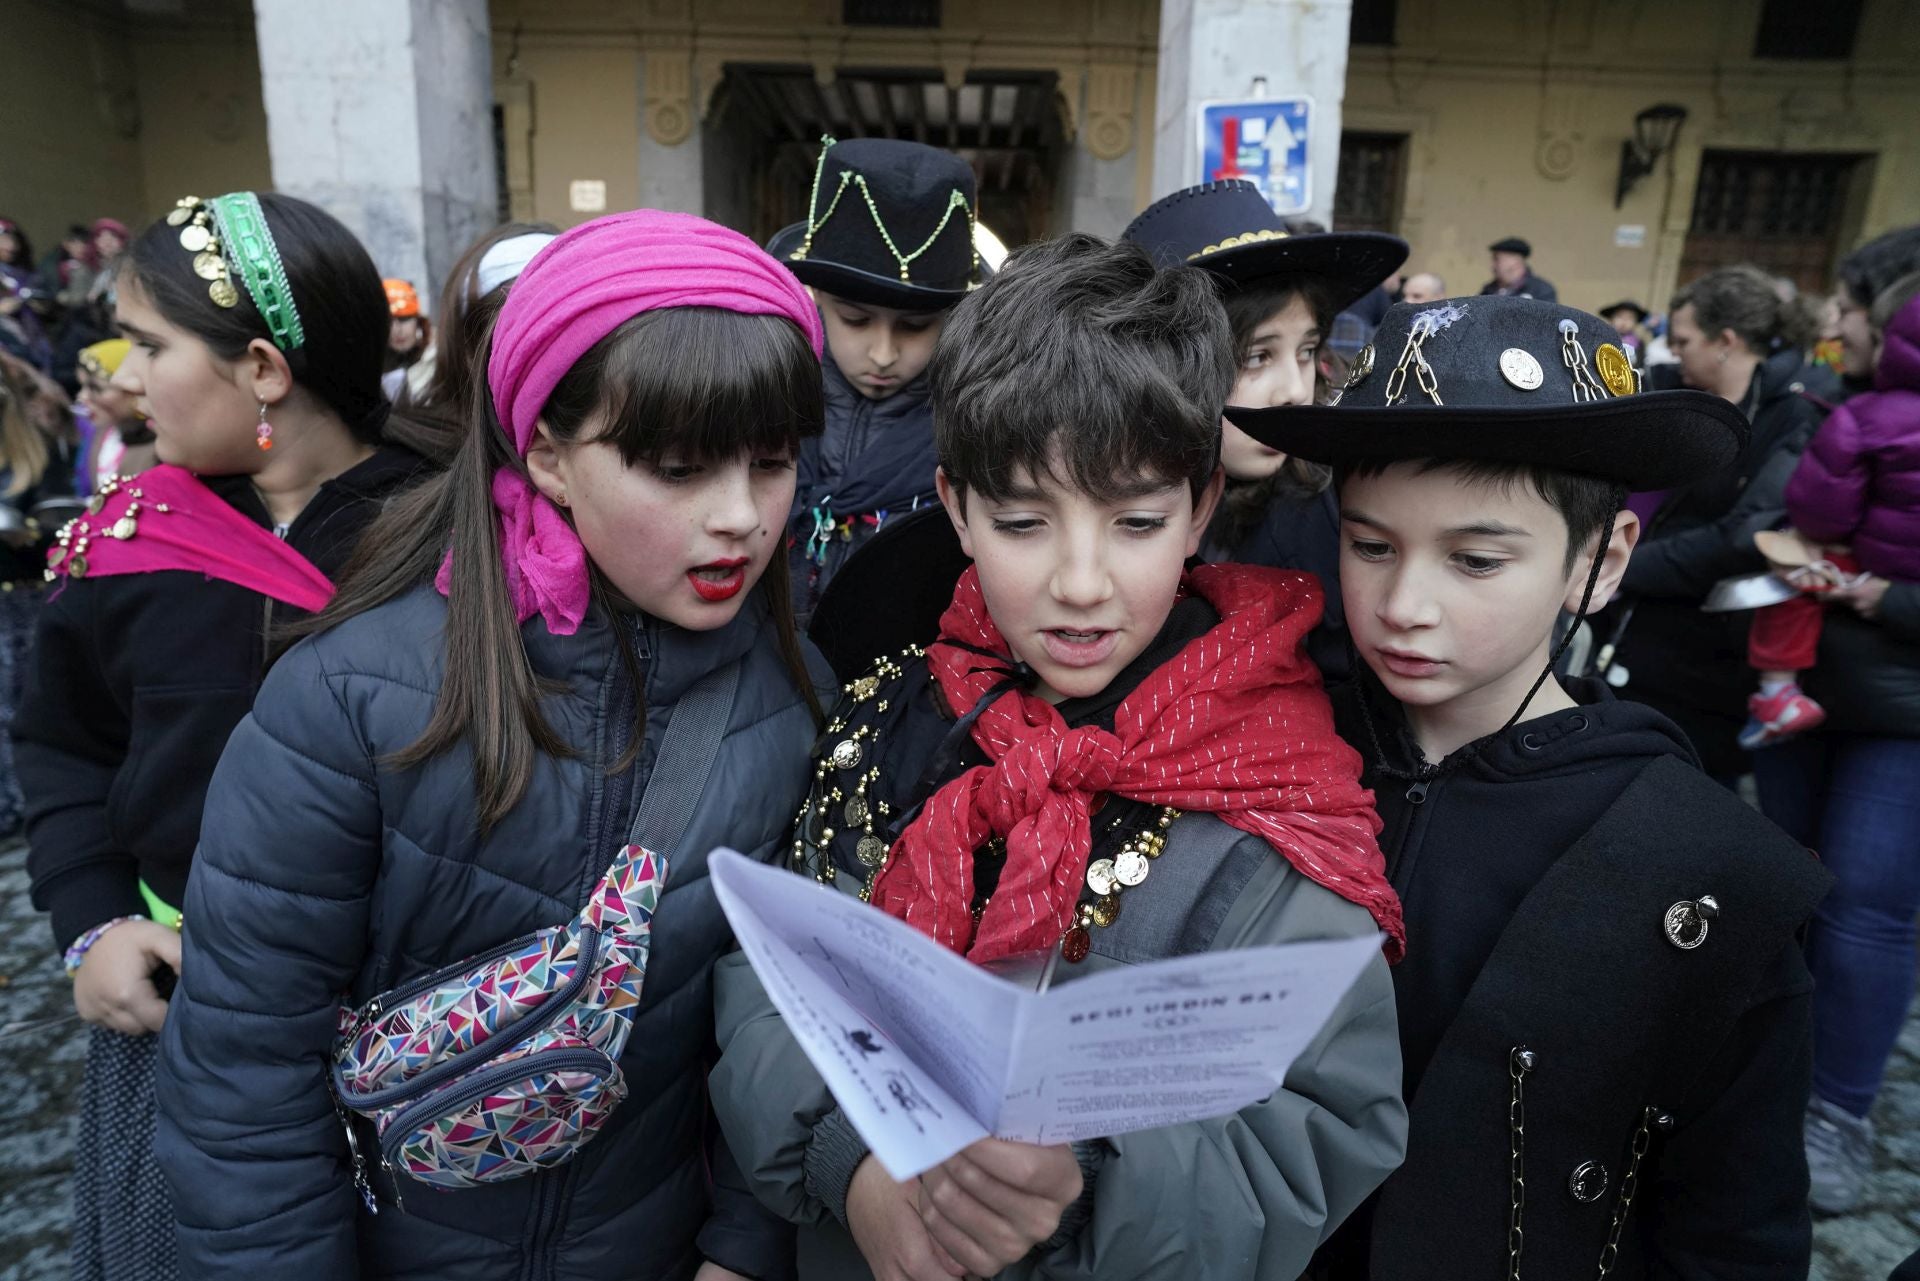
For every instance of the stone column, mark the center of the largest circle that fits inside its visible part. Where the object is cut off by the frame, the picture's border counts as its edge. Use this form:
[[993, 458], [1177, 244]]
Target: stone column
[[381, 113], [671, 155], [1096, 189], [1218, 48]]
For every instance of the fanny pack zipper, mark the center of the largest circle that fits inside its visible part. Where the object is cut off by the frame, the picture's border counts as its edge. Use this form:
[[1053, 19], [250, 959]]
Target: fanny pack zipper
[[483, 1083], [502, 1040]]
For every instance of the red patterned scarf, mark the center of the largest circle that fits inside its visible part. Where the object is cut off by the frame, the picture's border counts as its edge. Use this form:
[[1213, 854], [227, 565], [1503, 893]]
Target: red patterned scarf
[[1236, 725]]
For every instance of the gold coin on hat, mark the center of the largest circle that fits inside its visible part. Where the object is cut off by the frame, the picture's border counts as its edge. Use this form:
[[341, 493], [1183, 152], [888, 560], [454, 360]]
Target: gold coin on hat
[[195, 238], [179, 215], [1362, 366], [1520, 369], [1616, 371], [223, 293], [209, 266]]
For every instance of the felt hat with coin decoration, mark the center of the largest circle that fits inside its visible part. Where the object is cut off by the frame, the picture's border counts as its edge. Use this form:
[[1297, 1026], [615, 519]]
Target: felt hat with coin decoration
[[1229, 229], [1507, 380], [889, 223]]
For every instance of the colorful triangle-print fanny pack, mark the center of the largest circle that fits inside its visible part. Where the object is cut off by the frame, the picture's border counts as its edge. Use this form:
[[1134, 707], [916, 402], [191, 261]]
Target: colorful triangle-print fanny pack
[[507, 1062]]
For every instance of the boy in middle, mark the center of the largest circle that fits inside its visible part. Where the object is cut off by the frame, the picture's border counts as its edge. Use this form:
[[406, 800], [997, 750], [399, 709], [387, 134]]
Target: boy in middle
[[887, 249], [1106, 758]]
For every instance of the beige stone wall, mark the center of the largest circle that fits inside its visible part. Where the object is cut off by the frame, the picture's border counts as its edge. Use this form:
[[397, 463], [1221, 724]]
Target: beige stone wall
[[69, 151], [104, 117], [1516, 112]]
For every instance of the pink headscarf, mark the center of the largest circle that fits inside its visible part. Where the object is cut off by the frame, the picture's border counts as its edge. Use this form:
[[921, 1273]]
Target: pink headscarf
[[575, 292]]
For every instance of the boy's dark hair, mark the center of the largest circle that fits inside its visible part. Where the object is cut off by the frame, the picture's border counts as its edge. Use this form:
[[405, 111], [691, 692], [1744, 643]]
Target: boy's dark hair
[[1585, 503], [1082, 362]]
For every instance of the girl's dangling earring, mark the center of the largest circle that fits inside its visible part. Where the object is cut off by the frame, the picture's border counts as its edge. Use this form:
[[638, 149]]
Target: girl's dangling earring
[[263, 434]]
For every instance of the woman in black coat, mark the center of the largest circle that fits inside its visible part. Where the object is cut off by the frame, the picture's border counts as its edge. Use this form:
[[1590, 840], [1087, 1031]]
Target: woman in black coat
[[1736, 338]]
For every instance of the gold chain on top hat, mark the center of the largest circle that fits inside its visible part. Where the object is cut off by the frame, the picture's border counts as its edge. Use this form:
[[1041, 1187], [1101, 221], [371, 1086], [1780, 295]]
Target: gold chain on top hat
[[956, 199]]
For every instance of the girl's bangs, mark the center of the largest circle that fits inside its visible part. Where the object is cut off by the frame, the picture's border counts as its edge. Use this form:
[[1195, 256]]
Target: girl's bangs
[[703, 385]]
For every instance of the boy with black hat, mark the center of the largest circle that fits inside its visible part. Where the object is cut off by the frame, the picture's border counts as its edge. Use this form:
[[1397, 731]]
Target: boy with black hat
[[1513, 274], [1106, 758], [1604, 1011], [887, 247]]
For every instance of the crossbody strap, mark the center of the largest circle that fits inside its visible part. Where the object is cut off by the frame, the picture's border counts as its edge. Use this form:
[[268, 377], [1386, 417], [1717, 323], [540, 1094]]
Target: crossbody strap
[[684, 761]]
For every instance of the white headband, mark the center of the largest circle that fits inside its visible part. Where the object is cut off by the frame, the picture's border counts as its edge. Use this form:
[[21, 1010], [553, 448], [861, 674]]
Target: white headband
[[507, 260]]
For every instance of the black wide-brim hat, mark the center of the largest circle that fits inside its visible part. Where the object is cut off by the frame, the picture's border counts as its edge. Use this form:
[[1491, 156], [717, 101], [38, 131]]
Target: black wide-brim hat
[[1499, 367], [890, 593], [1229, 229], [1640, 313], [875, 202]]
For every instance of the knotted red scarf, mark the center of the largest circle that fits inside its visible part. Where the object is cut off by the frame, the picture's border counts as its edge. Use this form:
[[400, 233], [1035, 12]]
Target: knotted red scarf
[[1236, 724]]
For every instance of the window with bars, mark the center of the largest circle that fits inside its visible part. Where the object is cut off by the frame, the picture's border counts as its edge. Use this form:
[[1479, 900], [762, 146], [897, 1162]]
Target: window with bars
[[1372, 173], [1780, 211], [890, 13]]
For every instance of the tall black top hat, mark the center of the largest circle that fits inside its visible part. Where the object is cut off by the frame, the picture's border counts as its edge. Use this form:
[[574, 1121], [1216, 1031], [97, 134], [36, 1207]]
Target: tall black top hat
[[1507, 380], [888, 223], [1230, 229]]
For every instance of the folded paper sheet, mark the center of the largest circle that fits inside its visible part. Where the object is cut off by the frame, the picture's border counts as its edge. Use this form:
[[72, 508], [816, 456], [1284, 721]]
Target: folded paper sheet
[[927, 1052]]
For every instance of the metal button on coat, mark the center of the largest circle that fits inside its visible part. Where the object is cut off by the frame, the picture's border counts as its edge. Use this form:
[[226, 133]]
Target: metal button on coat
[[1588, 1182]]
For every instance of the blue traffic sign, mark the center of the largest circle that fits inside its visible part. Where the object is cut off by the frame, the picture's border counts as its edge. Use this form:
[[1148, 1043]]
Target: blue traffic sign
[[1264, 142]]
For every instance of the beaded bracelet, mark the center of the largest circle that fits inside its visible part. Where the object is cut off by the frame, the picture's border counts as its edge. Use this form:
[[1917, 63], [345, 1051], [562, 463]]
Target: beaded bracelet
[[82, 945]]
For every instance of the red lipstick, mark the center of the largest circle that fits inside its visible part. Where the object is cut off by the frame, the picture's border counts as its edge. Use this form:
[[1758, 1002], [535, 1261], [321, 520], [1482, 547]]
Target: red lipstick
[[720, 579]]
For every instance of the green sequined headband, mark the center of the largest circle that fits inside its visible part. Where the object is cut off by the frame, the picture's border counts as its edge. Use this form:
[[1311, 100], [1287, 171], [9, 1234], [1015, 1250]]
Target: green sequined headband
[[229, 233], [956, 199]]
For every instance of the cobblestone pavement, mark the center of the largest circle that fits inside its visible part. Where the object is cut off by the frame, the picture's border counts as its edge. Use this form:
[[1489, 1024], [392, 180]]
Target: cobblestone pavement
[[40, 1062]]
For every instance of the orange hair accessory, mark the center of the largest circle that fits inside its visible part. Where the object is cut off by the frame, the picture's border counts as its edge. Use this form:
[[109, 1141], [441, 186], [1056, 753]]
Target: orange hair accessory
[[401, 298]]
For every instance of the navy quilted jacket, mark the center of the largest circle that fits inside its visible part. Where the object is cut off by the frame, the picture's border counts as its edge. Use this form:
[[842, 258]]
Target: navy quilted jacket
[[323, 874]]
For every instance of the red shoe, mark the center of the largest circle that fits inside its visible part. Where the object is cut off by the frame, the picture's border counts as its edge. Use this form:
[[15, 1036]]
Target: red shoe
[[1776, 717]]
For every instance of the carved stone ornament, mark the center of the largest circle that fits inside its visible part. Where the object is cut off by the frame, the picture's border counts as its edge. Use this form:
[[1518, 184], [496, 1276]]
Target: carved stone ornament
[[669, 96]]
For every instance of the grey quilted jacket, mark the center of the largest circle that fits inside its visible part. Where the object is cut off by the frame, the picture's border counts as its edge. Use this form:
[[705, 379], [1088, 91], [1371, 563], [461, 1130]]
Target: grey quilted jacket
[[324, 875]]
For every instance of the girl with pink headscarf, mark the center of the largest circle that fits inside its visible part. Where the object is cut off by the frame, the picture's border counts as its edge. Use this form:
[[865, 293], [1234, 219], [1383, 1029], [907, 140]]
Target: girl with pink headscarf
[[448, 764]]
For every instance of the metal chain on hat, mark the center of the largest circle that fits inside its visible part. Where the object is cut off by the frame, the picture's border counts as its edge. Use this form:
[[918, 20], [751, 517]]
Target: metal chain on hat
[[1412, 355], [1586, 388]]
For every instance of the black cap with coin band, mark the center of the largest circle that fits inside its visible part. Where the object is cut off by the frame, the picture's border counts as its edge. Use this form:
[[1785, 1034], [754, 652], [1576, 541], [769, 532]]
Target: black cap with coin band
[[1516, 381]]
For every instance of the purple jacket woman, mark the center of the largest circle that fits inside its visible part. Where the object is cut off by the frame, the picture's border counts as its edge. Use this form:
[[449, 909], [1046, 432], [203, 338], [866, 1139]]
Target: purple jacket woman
[[1859, 481]]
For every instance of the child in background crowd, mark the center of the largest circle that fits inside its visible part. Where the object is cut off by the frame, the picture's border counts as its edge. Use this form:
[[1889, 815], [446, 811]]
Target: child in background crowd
[[1282, 292], [409, 343], [265, 394], [1088, 697], [1856, 494], [35, 465], [122, 442], [471, 299], [886, 248], [454, 758], [1604, 1012]]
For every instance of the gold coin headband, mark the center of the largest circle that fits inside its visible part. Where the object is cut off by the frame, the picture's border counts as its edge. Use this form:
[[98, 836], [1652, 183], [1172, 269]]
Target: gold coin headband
[[956, 199], [228, 234]]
